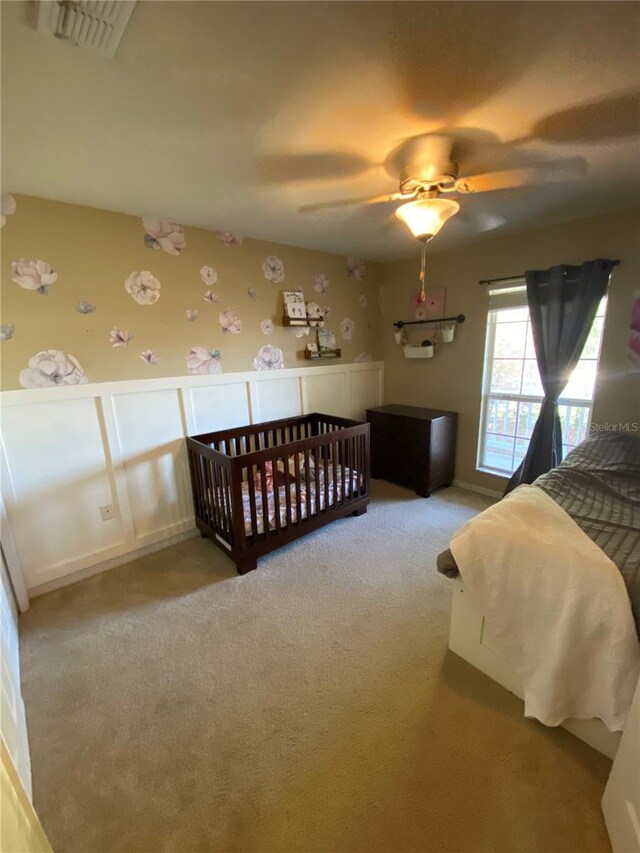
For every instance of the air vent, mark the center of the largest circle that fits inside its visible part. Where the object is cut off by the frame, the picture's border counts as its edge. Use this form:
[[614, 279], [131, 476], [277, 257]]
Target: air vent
[[96, 25]]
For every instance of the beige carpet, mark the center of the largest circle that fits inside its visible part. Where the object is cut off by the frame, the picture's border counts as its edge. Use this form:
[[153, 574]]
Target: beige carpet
[[311, 705]]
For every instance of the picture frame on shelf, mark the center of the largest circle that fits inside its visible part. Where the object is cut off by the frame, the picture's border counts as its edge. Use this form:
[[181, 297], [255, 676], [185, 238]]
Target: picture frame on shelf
[[326, 340], [294, 305]]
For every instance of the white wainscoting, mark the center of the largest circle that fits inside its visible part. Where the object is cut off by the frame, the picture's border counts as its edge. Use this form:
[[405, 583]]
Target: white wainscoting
[[67, 452]]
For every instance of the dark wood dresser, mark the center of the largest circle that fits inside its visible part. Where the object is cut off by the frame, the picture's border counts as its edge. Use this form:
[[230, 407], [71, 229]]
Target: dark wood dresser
[[414, 447]]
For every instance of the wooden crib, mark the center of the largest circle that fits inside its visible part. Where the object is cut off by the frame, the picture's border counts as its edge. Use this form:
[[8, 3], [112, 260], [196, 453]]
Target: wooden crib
[[258, 487]]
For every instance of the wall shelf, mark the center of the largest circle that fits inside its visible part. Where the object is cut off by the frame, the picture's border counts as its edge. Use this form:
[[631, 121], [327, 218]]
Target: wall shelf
[[323, 355], [302, 324], [400, 324]]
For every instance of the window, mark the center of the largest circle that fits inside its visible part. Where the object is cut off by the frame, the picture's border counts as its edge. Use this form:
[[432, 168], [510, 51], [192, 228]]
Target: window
[[512, 393]]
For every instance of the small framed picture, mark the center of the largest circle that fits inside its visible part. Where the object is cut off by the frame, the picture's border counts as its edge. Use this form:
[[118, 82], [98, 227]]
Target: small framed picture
[[312, 347], [294, 306], [326, 340]]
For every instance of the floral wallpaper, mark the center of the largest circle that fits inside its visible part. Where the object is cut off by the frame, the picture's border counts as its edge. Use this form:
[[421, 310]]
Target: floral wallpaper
[[93, 296]]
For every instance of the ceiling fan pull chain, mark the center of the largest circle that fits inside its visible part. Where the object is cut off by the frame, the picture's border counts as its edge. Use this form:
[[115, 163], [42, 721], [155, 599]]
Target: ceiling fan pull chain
[[423, 296]]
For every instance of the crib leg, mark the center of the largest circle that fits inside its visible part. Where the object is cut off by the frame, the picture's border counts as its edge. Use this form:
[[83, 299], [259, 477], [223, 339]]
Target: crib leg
[[360, 511], [203, 534], [246, 565]]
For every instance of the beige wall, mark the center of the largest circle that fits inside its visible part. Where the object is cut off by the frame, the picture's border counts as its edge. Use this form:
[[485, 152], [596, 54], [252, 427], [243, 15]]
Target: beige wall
[[94, 251], [453, 378]]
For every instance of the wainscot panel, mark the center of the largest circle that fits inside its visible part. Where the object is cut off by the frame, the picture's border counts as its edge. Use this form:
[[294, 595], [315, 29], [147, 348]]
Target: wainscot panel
[[72, 454]]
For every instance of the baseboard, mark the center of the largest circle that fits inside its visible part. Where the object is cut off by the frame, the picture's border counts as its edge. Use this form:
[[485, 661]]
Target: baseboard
[[112, 563], [480, 490]]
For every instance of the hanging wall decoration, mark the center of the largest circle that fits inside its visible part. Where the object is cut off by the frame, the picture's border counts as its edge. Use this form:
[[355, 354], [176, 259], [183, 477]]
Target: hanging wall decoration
[[191, 314], [211, 297], [165, 235], [84, 307], [143, 287], [33, 274], [6, 331], [252, 293], [431, 307], [52, 367], [267, 327]]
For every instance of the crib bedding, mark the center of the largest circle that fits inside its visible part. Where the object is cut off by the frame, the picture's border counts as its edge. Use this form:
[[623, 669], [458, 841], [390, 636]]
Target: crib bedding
[[598, 486], [308, 498]]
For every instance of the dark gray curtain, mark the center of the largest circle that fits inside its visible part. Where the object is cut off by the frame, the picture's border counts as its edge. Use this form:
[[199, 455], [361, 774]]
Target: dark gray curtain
[[562, 304]]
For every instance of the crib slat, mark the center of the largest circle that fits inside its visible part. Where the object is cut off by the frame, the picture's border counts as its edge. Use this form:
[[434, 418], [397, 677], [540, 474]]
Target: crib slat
[[298, 483], [219, 502], [226, 502], [334, 454], [210, 495], [209, 498], [316, 463], [343, 460], [252, 500], [265, 502], [325, 463], [287, 491], [276, 493]]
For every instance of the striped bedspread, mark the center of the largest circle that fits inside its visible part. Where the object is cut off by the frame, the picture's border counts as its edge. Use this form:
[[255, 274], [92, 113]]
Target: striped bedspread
[[598, 485]]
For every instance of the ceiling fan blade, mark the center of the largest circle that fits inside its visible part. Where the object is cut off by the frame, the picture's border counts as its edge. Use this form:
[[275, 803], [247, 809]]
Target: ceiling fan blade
[[570, 169], [491, 181], [344, 202]]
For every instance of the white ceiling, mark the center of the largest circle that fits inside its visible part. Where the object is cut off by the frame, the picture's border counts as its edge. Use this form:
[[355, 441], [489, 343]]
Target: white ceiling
[[233, 115]]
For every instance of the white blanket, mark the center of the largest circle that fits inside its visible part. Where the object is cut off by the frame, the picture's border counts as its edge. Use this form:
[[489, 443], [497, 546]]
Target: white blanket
[[558, 603]]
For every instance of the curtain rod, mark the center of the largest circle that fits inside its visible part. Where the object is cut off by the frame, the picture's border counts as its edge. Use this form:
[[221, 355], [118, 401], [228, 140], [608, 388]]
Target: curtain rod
[[520, 275]]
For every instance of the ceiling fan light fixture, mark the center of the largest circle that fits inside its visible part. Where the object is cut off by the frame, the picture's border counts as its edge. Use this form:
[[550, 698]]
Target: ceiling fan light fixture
[[425, 217]]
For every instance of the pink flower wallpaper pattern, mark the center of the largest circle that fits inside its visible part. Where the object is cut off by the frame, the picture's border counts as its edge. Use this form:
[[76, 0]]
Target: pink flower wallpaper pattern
[[144, 287], [165, 235], [202, 361], [52, 367], [33, 274]]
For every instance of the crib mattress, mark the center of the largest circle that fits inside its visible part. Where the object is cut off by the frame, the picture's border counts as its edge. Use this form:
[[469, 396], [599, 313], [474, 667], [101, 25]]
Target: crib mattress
[[309, 502]]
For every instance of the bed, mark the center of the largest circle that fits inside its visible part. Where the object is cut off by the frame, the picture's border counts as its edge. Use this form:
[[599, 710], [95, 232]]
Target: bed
[[547, 590], [258, 487]]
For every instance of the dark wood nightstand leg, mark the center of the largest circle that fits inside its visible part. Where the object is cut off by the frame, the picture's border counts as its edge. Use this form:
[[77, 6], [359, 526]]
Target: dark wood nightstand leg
[[423, 493]]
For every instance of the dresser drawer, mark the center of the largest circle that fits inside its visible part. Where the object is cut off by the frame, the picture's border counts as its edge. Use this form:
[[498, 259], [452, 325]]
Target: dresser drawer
[[406, 429]]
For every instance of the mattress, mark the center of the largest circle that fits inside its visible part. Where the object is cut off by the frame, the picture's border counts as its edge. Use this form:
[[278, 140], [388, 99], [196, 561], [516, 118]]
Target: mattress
[[310, 502]]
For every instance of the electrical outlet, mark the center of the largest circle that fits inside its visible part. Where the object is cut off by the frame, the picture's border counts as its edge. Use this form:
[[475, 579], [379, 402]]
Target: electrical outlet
[[107, 512]]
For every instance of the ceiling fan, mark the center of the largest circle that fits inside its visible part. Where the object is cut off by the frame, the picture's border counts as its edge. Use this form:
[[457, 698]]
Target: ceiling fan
[[428, 174]]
